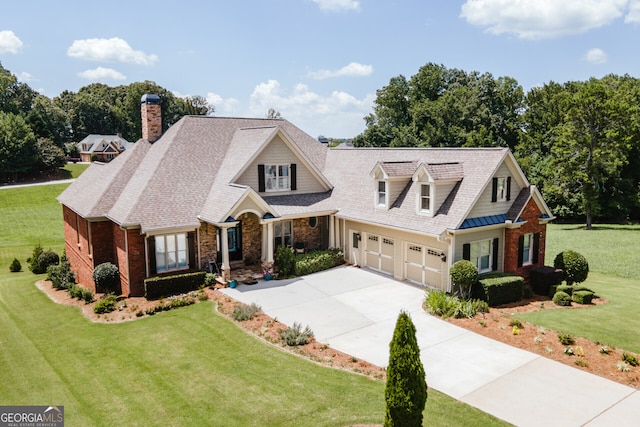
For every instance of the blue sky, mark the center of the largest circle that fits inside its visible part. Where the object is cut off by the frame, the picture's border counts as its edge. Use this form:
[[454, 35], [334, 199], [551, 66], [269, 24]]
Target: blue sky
[[318, 62]]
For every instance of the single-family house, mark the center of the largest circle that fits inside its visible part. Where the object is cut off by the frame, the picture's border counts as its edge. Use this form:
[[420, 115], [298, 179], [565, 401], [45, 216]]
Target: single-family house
[[103, 148], [234, 189]]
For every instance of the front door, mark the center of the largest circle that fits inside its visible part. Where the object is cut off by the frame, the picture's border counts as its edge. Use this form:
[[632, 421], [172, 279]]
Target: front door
[[234, 239]]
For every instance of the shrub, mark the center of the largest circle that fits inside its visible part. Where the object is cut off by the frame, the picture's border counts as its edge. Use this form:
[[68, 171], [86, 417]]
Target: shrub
[[566, 339], [105, 305], [574, 266], [33, 260], [564, 288], [61, 275], [464, 274], [501, 288], [562, 298], [47, 258], [583, 297], [440, 304], [15, 266], [313, 262], [245, 312], [543, 277], [294, 335], [210, 279], [106, 276], [630, 359], [285, 260], [162, 286], [337, 254], [406, 388]]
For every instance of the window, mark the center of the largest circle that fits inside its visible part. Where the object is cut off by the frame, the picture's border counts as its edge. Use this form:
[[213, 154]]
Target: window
[[276, 177], [382, 193], [171, 252], [481, 255], [283, 233], [527, 251], [502, 189], [425, 197]]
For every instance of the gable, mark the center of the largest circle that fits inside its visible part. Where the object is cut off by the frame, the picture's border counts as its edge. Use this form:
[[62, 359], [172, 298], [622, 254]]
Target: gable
[[278, 152], [484, 205]]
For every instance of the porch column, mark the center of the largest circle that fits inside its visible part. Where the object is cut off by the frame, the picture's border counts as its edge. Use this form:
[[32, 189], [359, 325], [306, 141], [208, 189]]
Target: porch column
[[224, 247], [269, 257], [263, 250], [332, 231]]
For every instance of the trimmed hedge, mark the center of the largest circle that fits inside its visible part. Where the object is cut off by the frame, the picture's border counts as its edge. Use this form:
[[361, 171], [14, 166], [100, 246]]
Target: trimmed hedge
[[500, 288], [313, 262], [583, 297], [542, 278], [564, 288], [562, 298], [164, 286]]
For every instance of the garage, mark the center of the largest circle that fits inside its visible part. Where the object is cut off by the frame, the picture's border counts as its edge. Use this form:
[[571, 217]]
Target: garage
[[423, 266], [378, 253]]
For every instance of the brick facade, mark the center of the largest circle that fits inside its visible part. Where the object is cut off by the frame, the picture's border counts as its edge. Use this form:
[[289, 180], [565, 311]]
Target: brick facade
[[151, 121], [532, 215], [130, 243]]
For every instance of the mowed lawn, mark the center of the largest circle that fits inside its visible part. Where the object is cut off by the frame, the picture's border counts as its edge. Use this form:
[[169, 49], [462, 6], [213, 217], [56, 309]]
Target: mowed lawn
[[189, 366], [613, 253]]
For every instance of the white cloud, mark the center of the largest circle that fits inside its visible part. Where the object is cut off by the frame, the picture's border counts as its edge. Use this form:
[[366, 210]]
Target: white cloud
[[109, 50], [224, 107], [596, 56], [9, 42], [354, 69], [101, 73], [337, 5], [633, 16], [24, 77], [538, 19], [338, 115]]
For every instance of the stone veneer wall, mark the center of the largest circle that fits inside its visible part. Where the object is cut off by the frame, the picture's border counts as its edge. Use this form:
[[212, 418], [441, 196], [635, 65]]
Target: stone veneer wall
[[251, 238], [302, 232], [208, 245], [532, 215]]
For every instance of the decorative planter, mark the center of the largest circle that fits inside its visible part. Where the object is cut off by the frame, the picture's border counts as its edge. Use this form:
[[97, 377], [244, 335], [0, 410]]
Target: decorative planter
[[233, 283], [268, 276]]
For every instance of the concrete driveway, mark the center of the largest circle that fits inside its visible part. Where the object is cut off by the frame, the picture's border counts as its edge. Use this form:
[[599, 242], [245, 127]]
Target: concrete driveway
[[354, 311]]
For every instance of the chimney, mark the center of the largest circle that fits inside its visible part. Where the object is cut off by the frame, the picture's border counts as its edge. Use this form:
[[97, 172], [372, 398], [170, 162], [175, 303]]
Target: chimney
[[151, 111]]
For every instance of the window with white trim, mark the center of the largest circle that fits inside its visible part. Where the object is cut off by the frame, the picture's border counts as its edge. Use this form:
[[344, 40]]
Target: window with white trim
[[425, 198], [501, 194], [527, 249], [276, 177], [283, 234], [381, 194], [481, 254], [171, 252]]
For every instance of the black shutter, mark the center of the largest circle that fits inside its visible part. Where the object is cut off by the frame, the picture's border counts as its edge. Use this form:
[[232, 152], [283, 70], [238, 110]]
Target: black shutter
[[294, 184], [261, 178], [466, 251], [494, 253], [494, 190], [536, 247], [508, 188], [520, 250], [191, 247], [151, 244]]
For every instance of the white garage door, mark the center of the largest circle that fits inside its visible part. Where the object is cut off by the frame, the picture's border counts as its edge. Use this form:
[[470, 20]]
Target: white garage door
[[378, 252], [423, 265]]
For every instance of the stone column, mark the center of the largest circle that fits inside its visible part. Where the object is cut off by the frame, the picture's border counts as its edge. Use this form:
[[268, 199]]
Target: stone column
[[224, 247]]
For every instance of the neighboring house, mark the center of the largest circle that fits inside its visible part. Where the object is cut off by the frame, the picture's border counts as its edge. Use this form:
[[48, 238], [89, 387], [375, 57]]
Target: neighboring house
[[103, 148], [234, 189]]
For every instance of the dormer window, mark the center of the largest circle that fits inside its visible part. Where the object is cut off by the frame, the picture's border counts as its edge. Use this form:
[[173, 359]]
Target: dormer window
[[381, 194], [425, 198]]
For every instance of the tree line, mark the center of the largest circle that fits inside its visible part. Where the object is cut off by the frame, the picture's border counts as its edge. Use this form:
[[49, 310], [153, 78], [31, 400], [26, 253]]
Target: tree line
[[578, 141], [36, 132]]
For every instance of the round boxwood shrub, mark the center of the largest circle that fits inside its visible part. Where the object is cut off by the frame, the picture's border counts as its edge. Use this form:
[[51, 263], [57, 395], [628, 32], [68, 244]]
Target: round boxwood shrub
[[464, 274], [106, 276], [46, 259], [562, 298], [574, 266], [15, 266]]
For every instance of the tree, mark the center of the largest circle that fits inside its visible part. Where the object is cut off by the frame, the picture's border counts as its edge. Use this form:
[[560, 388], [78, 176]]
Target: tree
[[273, 114], [406, 388], [18, 153], [464, 274], [574, 266], [50, 156], [594, 141]]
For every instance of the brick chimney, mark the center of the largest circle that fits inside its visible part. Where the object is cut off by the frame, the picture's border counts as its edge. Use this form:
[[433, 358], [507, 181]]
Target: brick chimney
[[151, 111]]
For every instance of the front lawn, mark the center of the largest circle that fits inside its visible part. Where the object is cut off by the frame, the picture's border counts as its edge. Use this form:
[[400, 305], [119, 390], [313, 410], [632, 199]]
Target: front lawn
[[189, 366], [613, 253]]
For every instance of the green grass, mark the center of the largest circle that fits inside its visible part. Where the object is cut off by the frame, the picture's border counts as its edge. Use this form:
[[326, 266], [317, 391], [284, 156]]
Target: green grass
[[184, 367], [74, 170], [613, 253]]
